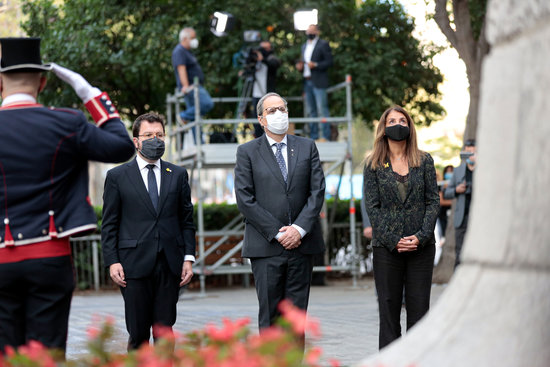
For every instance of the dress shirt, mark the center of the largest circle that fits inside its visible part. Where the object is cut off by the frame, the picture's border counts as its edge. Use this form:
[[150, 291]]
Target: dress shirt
[[18, 98], [284, 152], [142, 165], [308, 51]]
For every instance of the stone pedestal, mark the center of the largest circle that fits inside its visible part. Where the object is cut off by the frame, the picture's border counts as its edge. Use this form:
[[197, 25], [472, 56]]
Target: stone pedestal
[[496, 310]]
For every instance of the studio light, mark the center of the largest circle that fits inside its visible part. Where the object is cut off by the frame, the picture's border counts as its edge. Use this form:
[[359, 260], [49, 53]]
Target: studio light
[[304, 18], [221, 23]]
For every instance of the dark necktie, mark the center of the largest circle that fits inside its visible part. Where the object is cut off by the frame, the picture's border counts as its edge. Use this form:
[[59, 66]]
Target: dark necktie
[[152, 184], [281, 160]]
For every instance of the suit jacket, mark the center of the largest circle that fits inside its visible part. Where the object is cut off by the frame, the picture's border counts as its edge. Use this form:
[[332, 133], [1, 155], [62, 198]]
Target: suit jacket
[[322, 55], [459, 175], [133, 231], [44, 158], [266, 202], [392, 218]]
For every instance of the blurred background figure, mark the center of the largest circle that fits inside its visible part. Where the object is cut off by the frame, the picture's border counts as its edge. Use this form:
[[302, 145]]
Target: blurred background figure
[[460, 188], [265, 76], [315, 59]]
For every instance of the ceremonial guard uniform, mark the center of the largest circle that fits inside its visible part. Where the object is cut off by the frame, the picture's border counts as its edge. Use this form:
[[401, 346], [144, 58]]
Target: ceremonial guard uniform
[[44, 154]]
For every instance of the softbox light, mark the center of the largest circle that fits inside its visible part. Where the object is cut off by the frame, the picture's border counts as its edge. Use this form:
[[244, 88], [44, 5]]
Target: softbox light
[[304, 18], [221, 23]]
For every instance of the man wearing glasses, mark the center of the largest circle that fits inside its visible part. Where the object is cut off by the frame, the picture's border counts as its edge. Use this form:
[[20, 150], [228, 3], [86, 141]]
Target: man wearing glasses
[[147, 234], [280, 188]]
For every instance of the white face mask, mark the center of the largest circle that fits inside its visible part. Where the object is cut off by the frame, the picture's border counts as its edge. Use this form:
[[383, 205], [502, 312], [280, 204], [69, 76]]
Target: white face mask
[[194, 43], [277, 122]]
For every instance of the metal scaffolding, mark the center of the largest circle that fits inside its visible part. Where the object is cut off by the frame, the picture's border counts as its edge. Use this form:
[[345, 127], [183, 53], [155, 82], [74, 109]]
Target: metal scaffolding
[[204, 156]]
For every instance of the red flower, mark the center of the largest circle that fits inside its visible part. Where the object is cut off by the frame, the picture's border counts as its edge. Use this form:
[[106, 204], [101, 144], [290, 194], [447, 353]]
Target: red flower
[[93, 332], [35, 351], [228, 331], [298, 319], [313, 355]]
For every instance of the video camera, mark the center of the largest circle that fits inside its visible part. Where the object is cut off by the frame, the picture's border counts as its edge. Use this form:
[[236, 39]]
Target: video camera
[[249, 55]]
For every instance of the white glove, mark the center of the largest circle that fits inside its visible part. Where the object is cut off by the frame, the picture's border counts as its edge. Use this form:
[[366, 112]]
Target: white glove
[[82, 88]]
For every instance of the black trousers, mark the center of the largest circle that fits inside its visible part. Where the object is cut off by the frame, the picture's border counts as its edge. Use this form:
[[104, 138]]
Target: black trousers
[[287, 276], [35, 300], [149, 302], [394, 272]]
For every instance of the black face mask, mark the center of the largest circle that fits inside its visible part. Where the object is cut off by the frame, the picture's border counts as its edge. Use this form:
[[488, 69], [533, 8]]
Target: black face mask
[[152, 148], [397, 132], [311, 36]]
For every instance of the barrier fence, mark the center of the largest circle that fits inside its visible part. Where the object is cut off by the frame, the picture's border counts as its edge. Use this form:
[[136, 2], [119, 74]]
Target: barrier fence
[[91, 274]]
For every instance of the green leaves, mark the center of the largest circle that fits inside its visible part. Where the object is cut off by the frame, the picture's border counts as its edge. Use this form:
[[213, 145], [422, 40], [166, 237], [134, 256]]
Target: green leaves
[[125, 48]]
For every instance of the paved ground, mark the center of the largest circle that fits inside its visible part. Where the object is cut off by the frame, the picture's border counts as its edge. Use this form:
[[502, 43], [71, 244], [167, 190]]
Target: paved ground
[[348, 316]]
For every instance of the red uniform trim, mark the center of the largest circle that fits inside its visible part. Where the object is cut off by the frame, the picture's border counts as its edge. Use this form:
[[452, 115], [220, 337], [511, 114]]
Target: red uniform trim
[[39, 250], [20, 105]]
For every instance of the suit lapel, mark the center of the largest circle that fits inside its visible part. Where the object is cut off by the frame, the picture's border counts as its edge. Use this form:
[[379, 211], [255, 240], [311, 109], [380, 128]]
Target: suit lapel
[[137, 183], [293, 150], [166, 175], [267, 155]]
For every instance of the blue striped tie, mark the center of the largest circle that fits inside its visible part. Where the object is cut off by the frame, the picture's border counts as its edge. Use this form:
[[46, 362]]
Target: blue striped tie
[[281, 160]]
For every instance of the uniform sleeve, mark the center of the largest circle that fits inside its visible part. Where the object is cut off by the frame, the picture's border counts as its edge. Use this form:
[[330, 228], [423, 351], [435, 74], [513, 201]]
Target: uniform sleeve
[[109, 143]]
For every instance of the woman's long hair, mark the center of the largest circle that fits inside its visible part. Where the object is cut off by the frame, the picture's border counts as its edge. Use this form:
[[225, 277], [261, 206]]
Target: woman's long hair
[[381, 150]]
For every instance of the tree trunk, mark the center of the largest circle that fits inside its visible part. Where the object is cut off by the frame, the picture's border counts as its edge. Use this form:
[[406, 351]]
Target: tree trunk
[[470, 50]]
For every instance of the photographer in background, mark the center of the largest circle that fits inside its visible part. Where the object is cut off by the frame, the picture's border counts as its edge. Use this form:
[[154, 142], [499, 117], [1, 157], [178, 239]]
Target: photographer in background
[[264, 77], [460, 187]]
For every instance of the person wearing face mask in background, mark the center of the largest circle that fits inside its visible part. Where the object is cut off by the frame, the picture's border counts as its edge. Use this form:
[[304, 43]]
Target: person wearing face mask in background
[[460, 188], [264, 77], [186, 68], [147, 234], [315, 60], [402, 202], [280, 189], [444, 204]]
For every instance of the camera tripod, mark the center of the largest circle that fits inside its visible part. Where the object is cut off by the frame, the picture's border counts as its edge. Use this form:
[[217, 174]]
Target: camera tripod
[[246, 93]]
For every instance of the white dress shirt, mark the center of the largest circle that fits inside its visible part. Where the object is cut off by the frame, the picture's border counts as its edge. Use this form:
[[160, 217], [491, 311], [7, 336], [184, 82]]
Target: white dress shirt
[[284, 152], [18, 98], [308, 51], [142, 165]]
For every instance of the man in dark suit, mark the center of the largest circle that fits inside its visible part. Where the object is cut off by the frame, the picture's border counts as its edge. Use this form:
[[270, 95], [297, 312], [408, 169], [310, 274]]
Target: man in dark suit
[[44, 158], [147, 235], [460, 187], [280, 188], [315, 59]]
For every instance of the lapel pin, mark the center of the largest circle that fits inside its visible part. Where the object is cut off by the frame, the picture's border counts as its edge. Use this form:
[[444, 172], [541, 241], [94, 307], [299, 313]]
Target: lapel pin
[[168, 170], [386, 165]]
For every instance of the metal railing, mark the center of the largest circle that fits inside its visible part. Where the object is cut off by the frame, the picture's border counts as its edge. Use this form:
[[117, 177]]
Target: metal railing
[[196, 161], [91, 274]]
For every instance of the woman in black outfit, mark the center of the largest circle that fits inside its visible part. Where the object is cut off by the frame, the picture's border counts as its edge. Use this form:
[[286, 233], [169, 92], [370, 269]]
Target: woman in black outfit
[[402, 202]]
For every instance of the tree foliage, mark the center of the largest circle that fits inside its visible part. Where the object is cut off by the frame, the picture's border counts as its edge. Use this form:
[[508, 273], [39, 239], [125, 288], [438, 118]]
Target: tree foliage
[[463, 23], [124, 48]]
